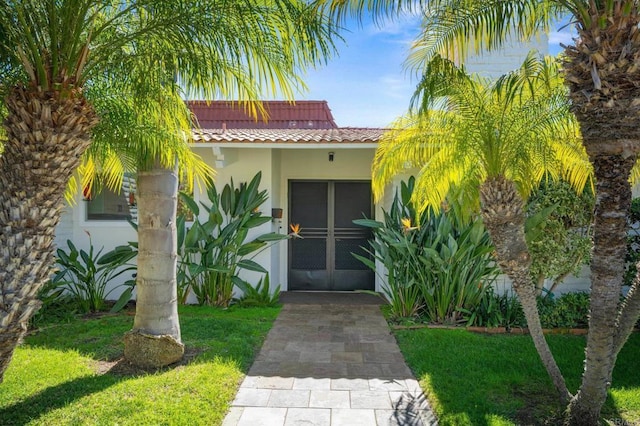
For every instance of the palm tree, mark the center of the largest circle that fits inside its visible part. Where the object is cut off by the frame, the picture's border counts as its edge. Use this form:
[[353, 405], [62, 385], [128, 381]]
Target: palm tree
[[136, 128], [485, 146], [601, 71], [51, 49]]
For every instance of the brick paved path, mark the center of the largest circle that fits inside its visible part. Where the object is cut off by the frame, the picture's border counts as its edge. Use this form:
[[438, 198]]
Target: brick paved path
[[330, 365]]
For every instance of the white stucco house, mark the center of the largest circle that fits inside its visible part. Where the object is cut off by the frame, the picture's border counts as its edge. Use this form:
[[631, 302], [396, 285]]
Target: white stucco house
[[316, 173]]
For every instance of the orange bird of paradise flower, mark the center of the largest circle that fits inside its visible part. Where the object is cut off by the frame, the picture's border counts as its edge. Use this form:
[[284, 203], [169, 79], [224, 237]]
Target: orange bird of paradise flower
[[406, 224], [295, 230]]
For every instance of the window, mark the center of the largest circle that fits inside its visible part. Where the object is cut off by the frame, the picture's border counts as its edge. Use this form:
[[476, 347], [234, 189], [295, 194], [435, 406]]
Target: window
[[111, 205]]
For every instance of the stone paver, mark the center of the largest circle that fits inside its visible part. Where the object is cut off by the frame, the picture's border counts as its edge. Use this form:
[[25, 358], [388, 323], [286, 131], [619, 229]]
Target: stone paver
[[308, 417], [352, 417], [252, 416], [330, 365], [311, 383]]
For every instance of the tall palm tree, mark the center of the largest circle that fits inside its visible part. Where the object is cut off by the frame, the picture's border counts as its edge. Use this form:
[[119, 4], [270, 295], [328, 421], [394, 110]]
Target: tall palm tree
[[51, 49], [602, 72], [485, 146]]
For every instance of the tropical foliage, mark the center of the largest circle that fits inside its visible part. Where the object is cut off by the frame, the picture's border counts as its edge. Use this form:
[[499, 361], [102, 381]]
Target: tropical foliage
[[497, 310], [567, 311], [217, 246], [260, 295], [84, 275], [52, 50], [485, 146], [436, 265]]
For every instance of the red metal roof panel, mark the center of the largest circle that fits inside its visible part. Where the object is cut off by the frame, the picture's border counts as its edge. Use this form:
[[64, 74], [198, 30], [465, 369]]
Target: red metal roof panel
[[280, 115]]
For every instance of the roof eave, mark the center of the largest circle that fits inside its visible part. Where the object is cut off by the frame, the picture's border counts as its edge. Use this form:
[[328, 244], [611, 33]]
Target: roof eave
[[288, 145]]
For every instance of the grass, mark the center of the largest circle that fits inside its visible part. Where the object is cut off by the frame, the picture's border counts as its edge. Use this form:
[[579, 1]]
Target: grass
[[477, 379], [59, 375]]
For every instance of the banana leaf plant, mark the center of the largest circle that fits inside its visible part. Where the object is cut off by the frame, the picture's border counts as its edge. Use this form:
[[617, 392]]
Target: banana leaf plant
[[216, 247], [85, 275]]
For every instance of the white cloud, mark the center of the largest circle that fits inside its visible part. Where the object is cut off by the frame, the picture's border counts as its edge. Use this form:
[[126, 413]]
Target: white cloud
[[396, 87], [405, 27], [564, 36]]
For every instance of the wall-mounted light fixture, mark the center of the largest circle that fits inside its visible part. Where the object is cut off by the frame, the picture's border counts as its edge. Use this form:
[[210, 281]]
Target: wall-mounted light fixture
[[276, 217], [331, 156]]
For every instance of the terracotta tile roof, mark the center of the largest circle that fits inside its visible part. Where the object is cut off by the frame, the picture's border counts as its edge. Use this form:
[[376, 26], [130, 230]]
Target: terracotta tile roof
[[290, 136], [281, 115]]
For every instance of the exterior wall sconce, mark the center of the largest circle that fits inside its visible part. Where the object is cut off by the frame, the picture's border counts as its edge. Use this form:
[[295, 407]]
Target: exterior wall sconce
[[132, 199], [276, 217], [331, 156]]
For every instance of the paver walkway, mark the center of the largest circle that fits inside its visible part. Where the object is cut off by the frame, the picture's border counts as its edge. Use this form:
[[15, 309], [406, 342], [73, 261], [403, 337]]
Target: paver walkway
[[330, 365]]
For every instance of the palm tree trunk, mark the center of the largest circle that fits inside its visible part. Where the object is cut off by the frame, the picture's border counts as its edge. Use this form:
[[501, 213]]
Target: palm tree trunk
[[46, 136], [629, 313], [611, 171], [503, 215], [155, 339]]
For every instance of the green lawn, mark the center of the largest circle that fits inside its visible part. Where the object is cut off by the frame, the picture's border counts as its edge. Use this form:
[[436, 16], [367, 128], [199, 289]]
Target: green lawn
[[57, 377], [477, 379]]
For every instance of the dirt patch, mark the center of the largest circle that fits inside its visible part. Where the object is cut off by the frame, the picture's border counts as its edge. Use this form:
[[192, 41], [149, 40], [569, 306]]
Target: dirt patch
[[540, 409], [121, 367]]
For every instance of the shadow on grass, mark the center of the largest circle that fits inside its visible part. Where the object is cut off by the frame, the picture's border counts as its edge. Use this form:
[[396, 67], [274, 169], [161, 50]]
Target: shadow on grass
[[54, 397], [477, 379], [229, 333], [226, 337]]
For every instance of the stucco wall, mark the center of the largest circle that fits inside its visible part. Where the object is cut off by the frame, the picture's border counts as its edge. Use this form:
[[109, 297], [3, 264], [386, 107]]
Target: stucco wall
[[242, 165], [509, 57], [104, 234], [347, 164]]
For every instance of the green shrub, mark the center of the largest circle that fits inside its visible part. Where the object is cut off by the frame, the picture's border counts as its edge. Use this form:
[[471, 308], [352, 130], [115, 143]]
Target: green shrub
[[436, 265], [571, 310], [562, 239], [260, 295], [214, 250], [83, 276]]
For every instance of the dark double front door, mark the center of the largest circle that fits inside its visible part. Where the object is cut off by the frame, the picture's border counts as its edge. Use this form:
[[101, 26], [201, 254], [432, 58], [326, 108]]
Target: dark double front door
[[322, 259]]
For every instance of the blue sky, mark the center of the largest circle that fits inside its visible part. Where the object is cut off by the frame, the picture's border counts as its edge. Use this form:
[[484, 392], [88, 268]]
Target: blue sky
[[367, 85]]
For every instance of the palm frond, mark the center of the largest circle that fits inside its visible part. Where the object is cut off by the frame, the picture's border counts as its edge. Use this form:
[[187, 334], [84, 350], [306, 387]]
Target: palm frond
[[139, 131], [342, 10], [519, 128], [453, 28]]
